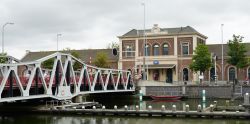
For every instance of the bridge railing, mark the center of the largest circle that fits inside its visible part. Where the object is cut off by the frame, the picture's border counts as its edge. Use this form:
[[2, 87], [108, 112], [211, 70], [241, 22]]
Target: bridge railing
[[65, 76]]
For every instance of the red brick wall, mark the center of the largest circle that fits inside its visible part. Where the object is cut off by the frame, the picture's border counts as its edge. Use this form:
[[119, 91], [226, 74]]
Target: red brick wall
[[185, 64], [128, 65]]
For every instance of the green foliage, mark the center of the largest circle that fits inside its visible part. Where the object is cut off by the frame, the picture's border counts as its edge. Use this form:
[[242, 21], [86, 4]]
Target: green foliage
[[3, 57], [113, 45], [48, 64], [101, 60], [237, 52], [76, 65], [201, 60]]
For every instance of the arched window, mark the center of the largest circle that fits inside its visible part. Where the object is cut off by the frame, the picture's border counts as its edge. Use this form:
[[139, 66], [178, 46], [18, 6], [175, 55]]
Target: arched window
[[185, 74], [147, 50], [156, 50], [212, 74], [231, 73], [165, 49], [248, 73]]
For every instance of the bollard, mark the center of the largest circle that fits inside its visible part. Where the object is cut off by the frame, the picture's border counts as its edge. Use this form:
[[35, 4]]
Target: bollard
[[83, 107], [137, 108], [174, 108], [199, 108], [126, 107], [163, 108], [187, 108], [115, 107], [246, 99], [94, 107], [215, 104], [103, 107], [149, 108], [211, 108]]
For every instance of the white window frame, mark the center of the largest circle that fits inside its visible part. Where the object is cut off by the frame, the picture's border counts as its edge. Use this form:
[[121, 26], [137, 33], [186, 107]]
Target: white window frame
[[182, 44], [154, 49], [164, 47]]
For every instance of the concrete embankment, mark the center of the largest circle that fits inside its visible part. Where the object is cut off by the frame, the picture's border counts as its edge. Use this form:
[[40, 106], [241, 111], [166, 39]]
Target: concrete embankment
[[192, 91]]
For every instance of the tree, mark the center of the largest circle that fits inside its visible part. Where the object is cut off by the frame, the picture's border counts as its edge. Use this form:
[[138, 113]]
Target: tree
[[101, 60], [113, 45], [201, 60], [3, 57], [236, 52], [48, 64], [77, 65]]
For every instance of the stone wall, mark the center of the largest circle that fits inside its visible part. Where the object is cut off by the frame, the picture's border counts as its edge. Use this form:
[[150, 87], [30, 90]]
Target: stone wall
[[194, 91]]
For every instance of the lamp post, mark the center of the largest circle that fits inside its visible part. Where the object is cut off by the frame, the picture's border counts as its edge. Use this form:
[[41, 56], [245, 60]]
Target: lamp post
[[222, 56], [144, 43], [215, 71], [7, 23], [57, 41]]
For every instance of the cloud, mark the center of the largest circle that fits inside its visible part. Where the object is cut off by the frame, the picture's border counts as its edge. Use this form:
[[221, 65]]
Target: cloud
[[94, 23]]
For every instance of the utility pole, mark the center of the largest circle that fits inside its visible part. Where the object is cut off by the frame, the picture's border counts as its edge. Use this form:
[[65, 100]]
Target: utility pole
[[222, 55], [144, 44]]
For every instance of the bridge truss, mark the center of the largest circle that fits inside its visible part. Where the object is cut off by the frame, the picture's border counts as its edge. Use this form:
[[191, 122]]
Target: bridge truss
[[66, 78]]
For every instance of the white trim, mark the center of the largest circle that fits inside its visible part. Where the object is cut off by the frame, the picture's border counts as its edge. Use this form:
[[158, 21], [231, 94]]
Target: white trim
[[195, 44], [175, 46]]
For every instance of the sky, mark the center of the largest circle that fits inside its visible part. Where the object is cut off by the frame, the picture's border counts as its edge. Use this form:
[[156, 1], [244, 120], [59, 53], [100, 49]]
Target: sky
[[86, 24]]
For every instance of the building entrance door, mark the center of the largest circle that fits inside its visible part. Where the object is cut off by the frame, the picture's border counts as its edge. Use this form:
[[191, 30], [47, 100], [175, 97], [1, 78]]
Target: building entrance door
[[169, 78]]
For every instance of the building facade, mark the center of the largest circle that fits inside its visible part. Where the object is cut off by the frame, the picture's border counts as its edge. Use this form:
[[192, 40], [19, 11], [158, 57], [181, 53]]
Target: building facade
[[165, 53], [230, 72]]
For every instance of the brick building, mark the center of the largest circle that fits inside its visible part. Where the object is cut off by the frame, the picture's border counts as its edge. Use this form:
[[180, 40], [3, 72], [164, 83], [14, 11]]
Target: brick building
[[168, 53], [230, 71], [86, 55]]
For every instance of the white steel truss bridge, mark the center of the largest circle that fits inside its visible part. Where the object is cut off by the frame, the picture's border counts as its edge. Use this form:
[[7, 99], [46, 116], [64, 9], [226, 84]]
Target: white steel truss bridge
[[59, 76]]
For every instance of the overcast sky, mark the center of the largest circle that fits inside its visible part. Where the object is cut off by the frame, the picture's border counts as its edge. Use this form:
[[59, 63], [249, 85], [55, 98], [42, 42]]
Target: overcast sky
[[94, 23]]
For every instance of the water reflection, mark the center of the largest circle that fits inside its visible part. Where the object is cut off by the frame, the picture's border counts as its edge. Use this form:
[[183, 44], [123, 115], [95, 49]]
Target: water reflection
[[112, 120]]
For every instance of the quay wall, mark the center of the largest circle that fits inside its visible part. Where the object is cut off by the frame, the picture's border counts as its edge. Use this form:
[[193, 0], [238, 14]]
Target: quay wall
[[192, 91]]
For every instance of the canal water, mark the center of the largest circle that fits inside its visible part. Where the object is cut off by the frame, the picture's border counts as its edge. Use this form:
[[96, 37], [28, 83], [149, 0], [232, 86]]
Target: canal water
[[109, 102]]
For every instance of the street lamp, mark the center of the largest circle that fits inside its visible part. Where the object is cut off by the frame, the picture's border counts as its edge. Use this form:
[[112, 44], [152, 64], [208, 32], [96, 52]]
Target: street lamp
[[57, 41], [10, 23], [222, 56], [144, 43]]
